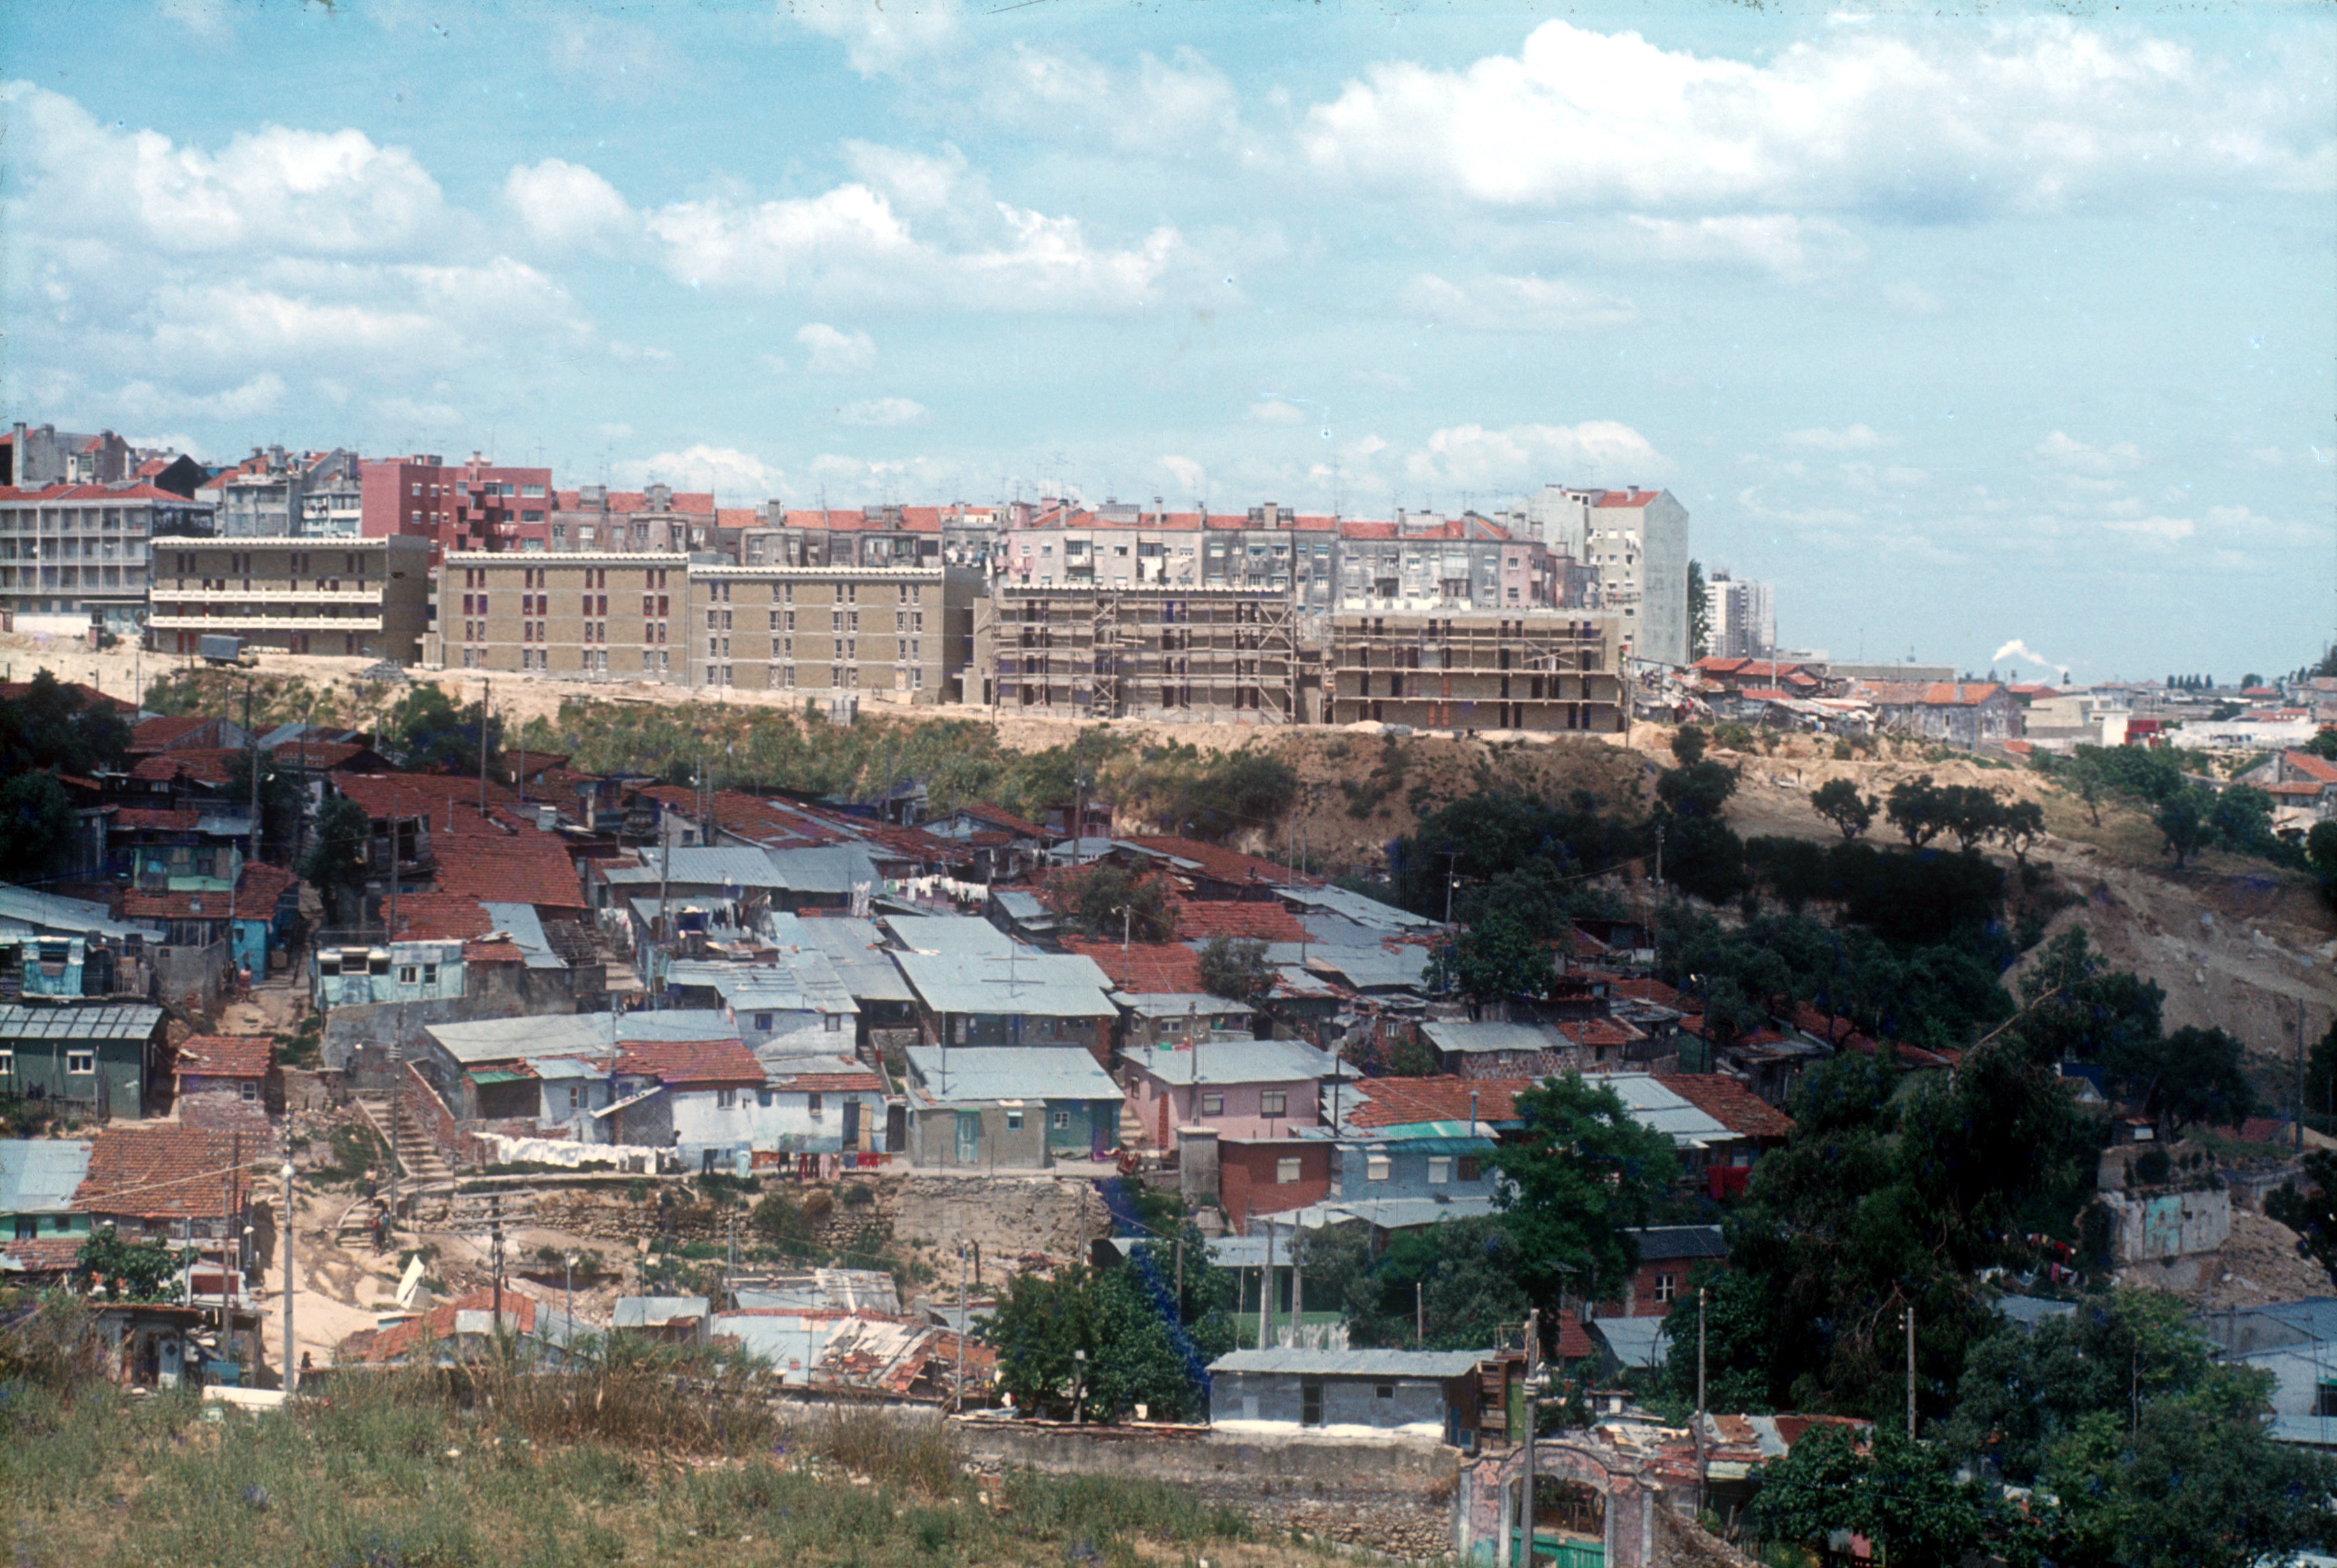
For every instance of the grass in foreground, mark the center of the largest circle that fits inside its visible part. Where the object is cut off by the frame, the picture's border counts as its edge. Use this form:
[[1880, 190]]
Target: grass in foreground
[[393, 1473]]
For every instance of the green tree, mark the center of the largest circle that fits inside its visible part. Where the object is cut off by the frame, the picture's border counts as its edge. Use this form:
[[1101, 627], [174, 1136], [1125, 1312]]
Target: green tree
[[1234, 792], [2085, 775], [1903, 1497], [2321, 1075], [1458, 1279], [1109, 902], [2311, 1211], [1970, 815], [337, 862], [2323, 742], [1697, 789], [1237, 970], [52, 725], [1916, 809], [2182, 820], [2321, 854], [1495, 959], [280, 806], [2023, 827], [432, 734], [140, 1270], [1044, 1326], [2193, 1075], [1688, 744], [36, 825], [1580, 1176], [1839, 802]]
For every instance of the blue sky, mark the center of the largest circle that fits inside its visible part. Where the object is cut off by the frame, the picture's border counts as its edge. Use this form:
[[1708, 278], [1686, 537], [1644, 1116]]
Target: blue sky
[[1964, 330]]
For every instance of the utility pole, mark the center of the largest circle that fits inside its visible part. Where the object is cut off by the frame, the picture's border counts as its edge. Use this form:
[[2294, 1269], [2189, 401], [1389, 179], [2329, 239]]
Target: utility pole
[[1533, 1371], [484, 687], [570, 1327], [1419, 1314], [2300, 1075], [496, 1232], [1700, 1455], [1266, 1290], [1911, 1371], [957, 1402], [291, 1357]]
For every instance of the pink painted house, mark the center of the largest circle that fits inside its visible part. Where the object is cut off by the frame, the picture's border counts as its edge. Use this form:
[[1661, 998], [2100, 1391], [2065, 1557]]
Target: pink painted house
[[1237, 1088]]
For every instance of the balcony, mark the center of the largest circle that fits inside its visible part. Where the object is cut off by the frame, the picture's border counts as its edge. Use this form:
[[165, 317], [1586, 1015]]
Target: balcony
[[263, 623]]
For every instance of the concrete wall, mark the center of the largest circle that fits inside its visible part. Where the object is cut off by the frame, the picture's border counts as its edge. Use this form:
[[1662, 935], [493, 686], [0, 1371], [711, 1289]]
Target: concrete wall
[[378, 1026], [1485, 1504], [190, 975], [2167, 1225], [1003, 1219], [1248, 1176]]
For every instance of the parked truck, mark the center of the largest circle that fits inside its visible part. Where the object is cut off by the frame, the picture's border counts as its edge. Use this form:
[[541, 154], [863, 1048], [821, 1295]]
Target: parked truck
[[219, 649]]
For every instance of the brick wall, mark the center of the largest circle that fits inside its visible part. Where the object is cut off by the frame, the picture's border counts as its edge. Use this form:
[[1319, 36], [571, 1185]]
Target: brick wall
[[1247, 1184]]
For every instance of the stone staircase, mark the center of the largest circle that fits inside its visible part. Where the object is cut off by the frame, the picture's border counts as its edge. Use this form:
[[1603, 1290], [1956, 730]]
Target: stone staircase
[[417, 1157]]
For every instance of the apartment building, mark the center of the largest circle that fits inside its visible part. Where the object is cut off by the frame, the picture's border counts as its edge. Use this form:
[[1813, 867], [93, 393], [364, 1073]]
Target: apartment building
[[1123, 545], [1553, 670], [905, 631], [82, 549], [1742, 618], [1636, 541], [351, 596], [656, 520], [1420, 562], [886, 536], [470, 506], [1162, 651], [275, 495], [35, 457], [585, 614]]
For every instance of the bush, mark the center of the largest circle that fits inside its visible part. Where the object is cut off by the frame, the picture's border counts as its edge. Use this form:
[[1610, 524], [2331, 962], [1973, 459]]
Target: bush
[[911, 1448]]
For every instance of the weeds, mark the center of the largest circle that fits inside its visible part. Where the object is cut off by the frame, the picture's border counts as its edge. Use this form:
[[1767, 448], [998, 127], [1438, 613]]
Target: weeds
[[897, 1447]]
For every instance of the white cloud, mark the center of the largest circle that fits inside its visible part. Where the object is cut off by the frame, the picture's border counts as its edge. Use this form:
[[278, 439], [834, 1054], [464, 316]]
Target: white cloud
[[851, 244], [406, 413], [1851, 438], [1190, 476], [564, 204], [298, 193], [2064, 450], [615, 430], [1598, 451], [263, 394], [918, 182], [2162, 529], [1188, 103], [1912, 299], [2027, 655], [1274, 411], [1932, 124], [1776, 242], [1499, 304], [883, 413], [203, 18], [835, 351], [879, 36], [725, 469]]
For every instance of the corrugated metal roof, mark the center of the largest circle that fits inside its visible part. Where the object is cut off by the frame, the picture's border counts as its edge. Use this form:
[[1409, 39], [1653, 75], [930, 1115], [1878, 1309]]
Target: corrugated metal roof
[[1635, 1341], [642, 1311], [111, 1021], [1039, 985], [1235, 1062], [1679, 1242], [1653, 1105], [962, 1074], [1023, 906], [855, 950], [699, 866], [961, 936], [823, 1289], [572, 1034], [519, 922], [1368, 968], [1435, 1364], [828, 868], [49, 912], [40, 1175], [1177, 1004], [1354, 906], [1466, 1035], [1389, 1213]]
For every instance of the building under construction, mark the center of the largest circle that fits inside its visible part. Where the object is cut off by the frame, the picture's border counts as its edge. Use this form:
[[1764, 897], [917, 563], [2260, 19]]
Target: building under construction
[[1208, 656], [1554, 670]]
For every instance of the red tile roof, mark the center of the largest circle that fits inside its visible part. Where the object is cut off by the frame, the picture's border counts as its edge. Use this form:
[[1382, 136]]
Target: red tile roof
[[1729, 1103], [1219, 863], [1200, 919], [1156, 969], [17, 690], [162, 1172], [528, 866], [2318, 768], [1648, 990], [827, 1083], [773, 823], [157, 733], [226, 1056], [1626, 497], [997, 818], [201, 764], [322, 755], [257, 892], [681, 1064], [420, 794], [1401, 1102], [438, 1323], [140, 491], [696, 501], [141, 819]]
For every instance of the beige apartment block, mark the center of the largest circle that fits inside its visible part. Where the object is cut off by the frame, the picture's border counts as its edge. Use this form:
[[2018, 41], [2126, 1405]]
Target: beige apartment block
[[583, 614], [1205, 655], [1556, 670], [899, 634], [368, 597]]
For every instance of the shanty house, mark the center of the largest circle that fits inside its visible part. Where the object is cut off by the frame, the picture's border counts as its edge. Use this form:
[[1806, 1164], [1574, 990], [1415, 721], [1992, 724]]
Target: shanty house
[[1430, 1393], [1015, 999], [96, 1059], [1008, 1107]]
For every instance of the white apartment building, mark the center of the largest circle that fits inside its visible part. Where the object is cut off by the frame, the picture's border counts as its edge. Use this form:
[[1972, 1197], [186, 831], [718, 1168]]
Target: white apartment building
[[1636, 541], [84, 548], [1742, 617]]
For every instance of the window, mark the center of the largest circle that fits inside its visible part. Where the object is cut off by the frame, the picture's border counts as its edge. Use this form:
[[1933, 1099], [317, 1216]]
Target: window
[[1213, 1105], [1310, 1404], [1014, 1120], [2324, 1397], [1439, 1170], [1274, 1102], [1375, 1167], [81, 1062], [408, 974], [1286, 1172], [1063, 1121], [816, 1103], [1469, 1166], [835, 1021], [251, 1091], [1385, 1392], [762, 1020], [726, 1099], [1667, 1287], [7, 1063]]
